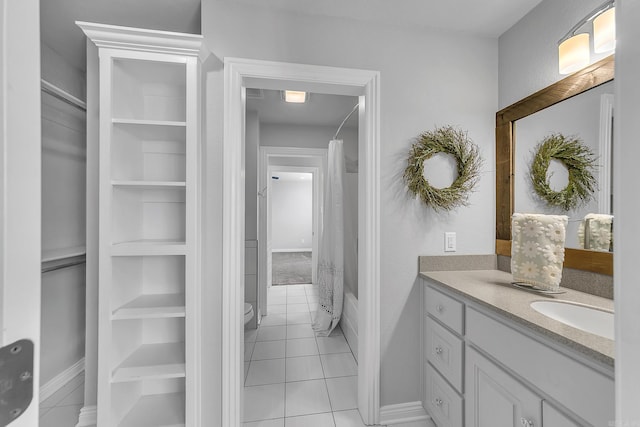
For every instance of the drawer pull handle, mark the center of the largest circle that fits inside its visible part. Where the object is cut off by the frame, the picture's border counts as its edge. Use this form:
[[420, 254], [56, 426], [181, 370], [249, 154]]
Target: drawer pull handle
[[438, 401], [526, 423], [440, 308], [438, 350]]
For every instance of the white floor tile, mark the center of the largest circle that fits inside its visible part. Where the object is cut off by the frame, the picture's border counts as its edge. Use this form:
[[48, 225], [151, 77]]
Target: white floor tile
[[274, 319], [313, 291], [296, 299], [276, 300], [306, 397], [425, 423], [277, 290], [339, 365], [313, 299], [268, 350], [343, 393], [250, 335], [248, 350], [272, 333], [296, 290], [316, 420], [265, 372], [302, 347], [298, 318], [297, 308], [266, 402], [333, 344], [265, 423], [348, 419], [303, 330], [277, 309], [61, 416], [303, 368]]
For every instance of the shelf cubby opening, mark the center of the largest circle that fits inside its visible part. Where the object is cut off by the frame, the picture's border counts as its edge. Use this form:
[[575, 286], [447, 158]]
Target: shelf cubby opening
[[149, 403], [148, 153], [148, 90], [148, 349], [148, 215], [148, 287]]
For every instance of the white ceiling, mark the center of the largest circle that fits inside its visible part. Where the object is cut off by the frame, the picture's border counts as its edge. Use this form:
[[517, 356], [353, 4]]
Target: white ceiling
[[59, 32], [319, 110], [482, 17]]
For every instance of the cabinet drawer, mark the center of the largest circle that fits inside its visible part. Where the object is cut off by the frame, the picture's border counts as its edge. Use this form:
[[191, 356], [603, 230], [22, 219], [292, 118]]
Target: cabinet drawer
[[442, 402], [446, 309], [445, 352]]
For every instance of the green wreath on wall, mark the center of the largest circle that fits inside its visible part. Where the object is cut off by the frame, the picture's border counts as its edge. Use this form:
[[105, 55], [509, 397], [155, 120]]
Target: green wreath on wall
[[450, 141], [580, 162]]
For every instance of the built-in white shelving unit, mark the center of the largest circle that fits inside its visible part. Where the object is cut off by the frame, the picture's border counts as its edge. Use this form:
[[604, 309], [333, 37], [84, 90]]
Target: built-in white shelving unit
[[148, 374]]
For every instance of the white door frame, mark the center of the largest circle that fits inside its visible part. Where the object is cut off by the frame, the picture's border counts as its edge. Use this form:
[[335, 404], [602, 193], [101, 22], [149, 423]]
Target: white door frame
[[20, 185], [269, 157], [242, 73]]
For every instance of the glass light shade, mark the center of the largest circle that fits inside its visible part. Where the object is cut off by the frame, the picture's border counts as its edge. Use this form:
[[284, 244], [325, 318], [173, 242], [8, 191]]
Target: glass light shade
[[294, 96], [573, 53], [604, 31]]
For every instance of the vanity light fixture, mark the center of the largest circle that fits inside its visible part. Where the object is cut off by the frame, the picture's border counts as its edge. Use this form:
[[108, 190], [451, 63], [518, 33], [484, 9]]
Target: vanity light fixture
[[574, 48], [295, 96]]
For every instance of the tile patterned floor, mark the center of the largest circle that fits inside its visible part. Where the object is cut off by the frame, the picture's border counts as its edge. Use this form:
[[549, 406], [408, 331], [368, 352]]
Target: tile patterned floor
[[63, 407], [292, 377]]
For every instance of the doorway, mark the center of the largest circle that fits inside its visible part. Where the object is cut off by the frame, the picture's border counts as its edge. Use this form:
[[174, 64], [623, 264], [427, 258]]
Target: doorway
[[240, 74]]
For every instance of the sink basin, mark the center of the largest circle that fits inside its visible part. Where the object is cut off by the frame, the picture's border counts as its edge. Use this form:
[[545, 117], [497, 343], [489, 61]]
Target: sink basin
[[587, 318]]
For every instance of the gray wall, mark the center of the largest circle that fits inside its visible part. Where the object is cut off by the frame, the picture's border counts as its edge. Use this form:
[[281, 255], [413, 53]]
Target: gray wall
[[63, 217], [427, 79]]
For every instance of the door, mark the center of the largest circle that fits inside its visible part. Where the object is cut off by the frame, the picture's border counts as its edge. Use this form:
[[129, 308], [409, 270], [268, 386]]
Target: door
[[496, 399], [20, 184]]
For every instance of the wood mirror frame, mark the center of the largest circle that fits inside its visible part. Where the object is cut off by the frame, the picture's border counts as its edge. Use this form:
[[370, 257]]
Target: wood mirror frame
[[581, 81]]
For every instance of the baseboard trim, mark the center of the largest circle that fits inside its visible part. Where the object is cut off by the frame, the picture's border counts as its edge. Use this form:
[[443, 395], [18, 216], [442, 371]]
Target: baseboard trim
[[403, 413], [88, 416], [291, 250], [59, 381]]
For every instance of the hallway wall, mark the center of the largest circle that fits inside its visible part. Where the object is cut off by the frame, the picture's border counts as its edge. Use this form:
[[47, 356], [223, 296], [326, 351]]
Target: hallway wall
[[428, 79]]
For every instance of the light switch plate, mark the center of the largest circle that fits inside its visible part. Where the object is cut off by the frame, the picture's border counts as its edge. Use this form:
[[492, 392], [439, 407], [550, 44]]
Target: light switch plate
[[450, 241]]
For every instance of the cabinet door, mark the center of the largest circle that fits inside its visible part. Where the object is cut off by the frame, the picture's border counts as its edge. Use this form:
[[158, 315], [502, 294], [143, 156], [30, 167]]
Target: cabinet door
[[496, 399]]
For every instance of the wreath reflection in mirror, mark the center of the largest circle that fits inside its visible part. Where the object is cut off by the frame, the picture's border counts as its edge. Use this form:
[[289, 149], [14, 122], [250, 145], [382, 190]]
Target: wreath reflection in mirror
[[450, 141], [580, 162]]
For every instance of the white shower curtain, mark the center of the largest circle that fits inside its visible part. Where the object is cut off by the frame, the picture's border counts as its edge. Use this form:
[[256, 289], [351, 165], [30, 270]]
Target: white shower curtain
[[331, 248]]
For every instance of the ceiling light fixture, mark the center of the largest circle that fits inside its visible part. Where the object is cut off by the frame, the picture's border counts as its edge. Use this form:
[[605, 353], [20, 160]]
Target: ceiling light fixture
[[574, 48], [295, 96]]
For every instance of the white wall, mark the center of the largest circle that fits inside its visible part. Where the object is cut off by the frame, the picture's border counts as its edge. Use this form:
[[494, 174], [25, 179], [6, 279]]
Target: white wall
[[63, 217], [427, 79], [626, 207], [252, 143], [529, 49], [291, 214]]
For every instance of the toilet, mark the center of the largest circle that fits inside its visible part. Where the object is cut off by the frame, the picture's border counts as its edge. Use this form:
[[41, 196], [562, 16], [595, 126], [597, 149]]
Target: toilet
[[248, 312]]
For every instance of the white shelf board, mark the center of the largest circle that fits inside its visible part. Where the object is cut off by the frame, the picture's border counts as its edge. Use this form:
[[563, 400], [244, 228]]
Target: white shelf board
[[152, 306], [149, 184], [152, 361], [157, 410], [149, 247], [142, 122]]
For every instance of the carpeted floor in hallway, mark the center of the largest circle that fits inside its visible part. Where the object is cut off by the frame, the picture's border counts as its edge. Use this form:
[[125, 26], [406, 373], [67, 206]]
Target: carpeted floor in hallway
[[291, 268]]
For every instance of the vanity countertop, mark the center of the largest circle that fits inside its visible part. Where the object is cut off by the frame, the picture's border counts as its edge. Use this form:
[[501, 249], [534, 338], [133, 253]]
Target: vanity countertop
[[493, 289]]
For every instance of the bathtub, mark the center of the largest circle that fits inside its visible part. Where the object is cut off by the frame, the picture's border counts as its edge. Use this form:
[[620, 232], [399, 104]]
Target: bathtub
[[349, 320]]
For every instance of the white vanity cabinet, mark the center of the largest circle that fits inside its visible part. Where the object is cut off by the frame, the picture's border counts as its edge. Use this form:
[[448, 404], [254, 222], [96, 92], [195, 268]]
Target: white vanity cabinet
[[511, 377], [143, 116]]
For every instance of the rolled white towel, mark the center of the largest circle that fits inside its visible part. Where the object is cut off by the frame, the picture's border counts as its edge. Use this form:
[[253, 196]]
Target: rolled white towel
[[537, 249]]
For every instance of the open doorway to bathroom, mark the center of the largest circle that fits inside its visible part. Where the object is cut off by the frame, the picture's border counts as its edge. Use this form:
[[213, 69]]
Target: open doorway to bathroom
[[290, 373]]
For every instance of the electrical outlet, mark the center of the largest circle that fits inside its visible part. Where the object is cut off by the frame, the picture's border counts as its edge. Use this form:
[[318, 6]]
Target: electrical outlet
[[450, 241]]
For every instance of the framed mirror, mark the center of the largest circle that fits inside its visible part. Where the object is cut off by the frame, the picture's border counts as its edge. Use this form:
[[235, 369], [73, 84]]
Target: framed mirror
[[510, 157]]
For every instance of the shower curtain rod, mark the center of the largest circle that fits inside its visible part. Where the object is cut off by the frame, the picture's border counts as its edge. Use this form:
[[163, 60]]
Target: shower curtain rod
[[345, 120]]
